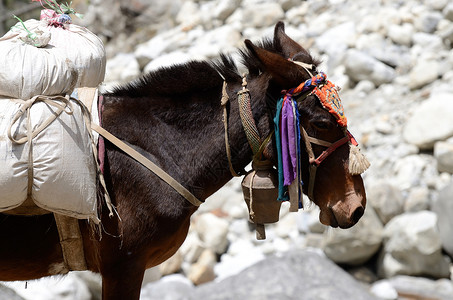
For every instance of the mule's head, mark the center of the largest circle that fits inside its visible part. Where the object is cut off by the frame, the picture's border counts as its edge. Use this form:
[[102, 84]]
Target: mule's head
[[339, 193]]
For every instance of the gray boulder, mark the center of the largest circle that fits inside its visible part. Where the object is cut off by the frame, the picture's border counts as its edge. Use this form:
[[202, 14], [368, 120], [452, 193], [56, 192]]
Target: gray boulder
[[386, 199], [295, 275], [355, 245], [412, 246], [432, 113], [361, 66]]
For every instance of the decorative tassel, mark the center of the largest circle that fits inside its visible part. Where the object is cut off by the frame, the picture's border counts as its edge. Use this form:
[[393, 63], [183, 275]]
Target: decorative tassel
[[358, 163]]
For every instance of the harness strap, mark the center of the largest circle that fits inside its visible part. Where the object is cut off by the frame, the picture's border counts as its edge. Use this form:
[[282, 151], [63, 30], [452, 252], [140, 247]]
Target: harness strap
[[224, 102], [148, 164], [315, 162]]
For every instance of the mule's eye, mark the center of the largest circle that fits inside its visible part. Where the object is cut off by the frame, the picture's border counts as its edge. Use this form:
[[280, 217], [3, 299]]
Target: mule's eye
[[320, 125]]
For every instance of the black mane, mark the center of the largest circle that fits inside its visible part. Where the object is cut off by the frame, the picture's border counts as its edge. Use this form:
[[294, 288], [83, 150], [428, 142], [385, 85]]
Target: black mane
[[179, 79]]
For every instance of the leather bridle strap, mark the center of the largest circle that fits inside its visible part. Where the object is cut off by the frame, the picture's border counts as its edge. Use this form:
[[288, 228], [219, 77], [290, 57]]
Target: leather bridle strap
[[315, 162], [148, 164]]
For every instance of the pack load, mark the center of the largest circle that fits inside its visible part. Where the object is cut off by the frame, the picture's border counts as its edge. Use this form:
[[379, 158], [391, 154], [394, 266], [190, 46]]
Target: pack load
[[45, 140]]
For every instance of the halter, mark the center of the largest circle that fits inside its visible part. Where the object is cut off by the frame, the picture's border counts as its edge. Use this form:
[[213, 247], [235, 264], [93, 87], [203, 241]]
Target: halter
[[326, 92]]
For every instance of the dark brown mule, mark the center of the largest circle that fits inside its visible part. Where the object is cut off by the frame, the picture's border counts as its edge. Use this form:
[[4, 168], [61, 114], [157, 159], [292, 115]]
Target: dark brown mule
[[174, 117]]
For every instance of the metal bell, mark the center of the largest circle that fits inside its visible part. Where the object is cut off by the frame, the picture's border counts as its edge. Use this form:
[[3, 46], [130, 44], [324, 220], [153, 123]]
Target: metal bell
[[260, 189]]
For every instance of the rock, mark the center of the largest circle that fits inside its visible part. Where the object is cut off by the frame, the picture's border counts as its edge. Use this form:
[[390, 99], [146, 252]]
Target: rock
[[308, 221], [412, 246], [200, 274], [189, 14], [422, 288], [270, 13], [151, 275], [424, 72], [222, 39], [386, 199], [168, 41], [355, 245], [360, 66], [408, 171], [171, 265], [443, 152], [427, 21], [335, 42], [167, 60], [448, 11], [8, 294], [428, 41], [172, 287], [375, 45], [432, 113], [203, 270], [443, 207], [293, 275], [417, 200], [67, 287], [225, 8], [192, 247], [384, 290], [93, 281], [401, 34], [212, 231], [122, 68]]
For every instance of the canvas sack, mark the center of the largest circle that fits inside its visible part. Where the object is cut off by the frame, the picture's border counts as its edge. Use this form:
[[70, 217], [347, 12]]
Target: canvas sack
[[26, 70], [64, 171]]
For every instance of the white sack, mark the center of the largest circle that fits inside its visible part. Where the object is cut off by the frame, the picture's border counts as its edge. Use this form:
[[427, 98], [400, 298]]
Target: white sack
[[64, 170], [74, 43], [26, 71]]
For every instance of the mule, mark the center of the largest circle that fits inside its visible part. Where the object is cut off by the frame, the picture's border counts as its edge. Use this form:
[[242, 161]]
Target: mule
[[174, 117]]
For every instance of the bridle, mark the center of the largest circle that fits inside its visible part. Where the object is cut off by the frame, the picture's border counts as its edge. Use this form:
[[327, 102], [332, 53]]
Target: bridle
[[245, 110]]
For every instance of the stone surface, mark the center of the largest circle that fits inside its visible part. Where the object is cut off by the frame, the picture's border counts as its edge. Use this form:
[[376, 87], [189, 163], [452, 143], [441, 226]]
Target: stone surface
[[360, 66], [296, 274], [386, 199], [355, 245], [443, 207], [431, 113], [8, 294], [384, 290], [122, 68], [417, 200], [212, 231], [173, 287], [424, 72], [443, 152], [412, 246], [423, 288]]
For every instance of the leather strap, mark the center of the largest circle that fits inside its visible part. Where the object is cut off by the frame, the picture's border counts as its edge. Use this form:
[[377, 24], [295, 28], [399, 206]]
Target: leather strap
[[148, 164]]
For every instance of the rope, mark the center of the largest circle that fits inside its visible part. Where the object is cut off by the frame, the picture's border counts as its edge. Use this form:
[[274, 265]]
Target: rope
[[248, 122], [25, 109], [224, 102]]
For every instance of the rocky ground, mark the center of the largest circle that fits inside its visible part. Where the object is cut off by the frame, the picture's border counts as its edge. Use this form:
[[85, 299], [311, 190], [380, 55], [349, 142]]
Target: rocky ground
[[394, 62]]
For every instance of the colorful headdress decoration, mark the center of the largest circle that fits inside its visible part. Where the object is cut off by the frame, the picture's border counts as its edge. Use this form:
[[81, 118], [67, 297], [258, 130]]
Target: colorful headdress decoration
[[287, 132]]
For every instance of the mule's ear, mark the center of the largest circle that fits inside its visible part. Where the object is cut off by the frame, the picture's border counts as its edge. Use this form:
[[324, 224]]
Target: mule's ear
[[284, 44], [284, 72]]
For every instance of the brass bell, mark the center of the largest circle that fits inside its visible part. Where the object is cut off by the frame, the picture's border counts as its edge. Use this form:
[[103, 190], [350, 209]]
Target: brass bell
[[260, 189]]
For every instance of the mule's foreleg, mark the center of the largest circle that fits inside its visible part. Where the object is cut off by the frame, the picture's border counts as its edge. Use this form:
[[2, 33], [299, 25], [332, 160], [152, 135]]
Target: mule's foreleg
[[123, 279]]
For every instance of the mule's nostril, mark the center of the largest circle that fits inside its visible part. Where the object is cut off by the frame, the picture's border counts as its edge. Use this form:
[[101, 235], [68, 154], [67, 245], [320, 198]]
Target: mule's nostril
[[358, 213]]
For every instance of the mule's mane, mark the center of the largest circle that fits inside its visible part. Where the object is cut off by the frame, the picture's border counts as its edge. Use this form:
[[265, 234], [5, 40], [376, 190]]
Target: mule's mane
[[200, 75]]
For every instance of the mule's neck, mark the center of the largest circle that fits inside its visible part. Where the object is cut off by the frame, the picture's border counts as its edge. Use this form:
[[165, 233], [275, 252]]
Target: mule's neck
[[186, 136]]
